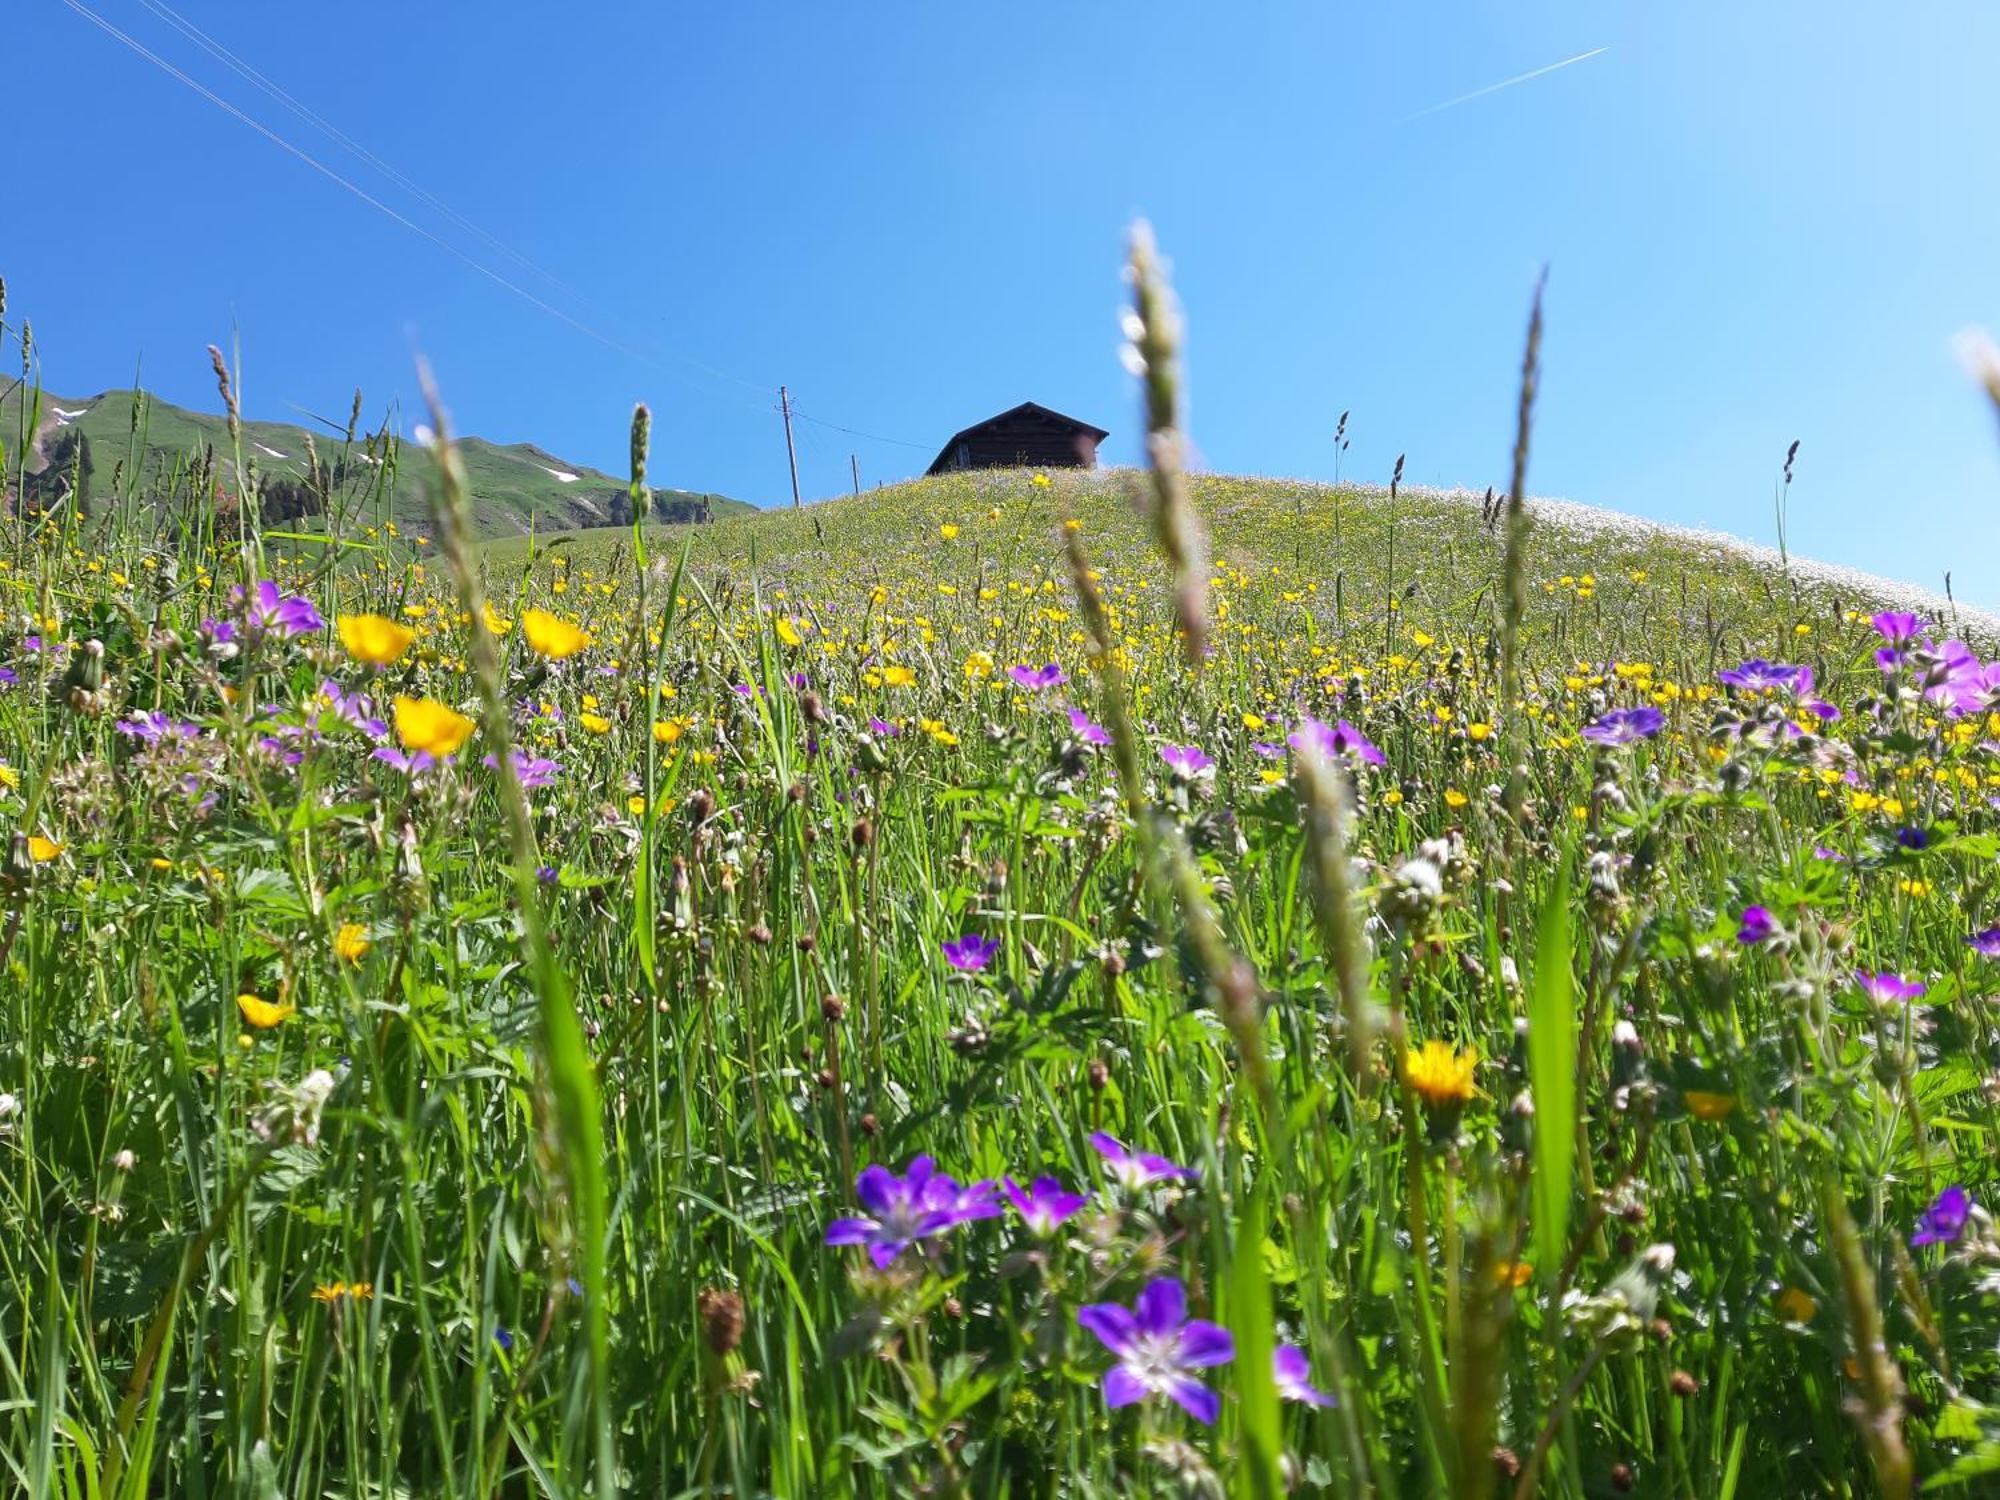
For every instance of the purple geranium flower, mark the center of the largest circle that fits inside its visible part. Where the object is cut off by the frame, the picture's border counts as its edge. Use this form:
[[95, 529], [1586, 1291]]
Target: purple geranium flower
[[1037, 678], [413, 764], [1900, 631], [353, 710], [1625, 726], [970, 953], [1888, 989], [1045, 1205], [8, 677], [1760, 676], [532, 771], [268, 608], [1086, 730], [920, 1204], [1294, 1376], [1186, 761], [883, 728], [1341, 741], [152, 726], [1944, 1221], [1755, 926], [1157, 1345], [1986, 944], [1134, 1170], [1961, 682]]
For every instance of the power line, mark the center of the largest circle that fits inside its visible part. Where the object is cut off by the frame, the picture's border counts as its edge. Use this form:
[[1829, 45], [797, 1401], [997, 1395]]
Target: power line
[[857, 432], [216, 49], [326, 127]]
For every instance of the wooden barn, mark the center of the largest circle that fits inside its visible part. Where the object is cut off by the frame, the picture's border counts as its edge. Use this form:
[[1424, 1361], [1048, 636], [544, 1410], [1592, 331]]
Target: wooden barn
[[1026, 437]]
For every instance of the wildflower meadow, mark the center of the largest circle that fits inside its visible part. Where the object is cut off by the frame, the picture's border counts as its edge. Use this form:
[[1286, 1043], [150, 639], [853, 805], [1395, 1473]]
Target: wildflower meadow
[[1016, 984]]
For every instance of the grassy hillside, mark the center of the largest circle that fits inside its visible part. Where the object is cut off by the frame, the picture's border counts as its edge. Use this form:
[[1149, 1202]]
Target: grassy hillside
[[1604, 584], [517, 486]]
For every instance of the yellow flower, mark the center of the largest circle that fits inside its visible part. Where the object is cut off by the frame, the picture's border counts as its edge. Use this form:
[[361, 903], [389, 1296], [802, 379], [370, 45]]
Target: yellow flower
[[1440, 1075], [351, 943], [948, 531], [10, 778], [494, 622], [42, 850], [1453, 797], [1514, 1273], [1072, 524], [426, 724], [788, 632], [551, 635], [263, 1014], [595, 723], [1796, 1306], [636, 805], [375, 639], [666, 731], [1478, 731], [898, 676], [1040, 481], [1704, 1105]]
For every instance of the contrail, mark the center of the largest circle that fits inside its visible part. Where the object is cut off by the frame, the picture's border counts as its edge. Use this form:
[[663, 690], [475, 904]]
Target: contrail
[[1505, 83]]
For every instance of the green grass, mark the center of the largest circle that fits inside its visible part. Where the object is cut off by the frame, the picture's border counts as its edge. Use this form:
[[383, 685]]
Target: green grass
[[526, 1188]]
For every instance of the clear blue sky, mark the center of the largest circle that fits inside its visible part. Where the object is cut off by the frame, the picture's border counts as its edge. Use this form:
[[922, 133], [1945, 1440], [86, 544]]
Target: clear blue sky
[[1764, 222]]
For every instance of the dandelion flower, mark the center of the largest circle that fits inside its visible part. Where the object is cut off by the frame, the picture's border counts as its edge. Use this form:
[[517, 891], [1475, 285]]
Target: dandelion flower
[[42, 850], [1440, 1074]]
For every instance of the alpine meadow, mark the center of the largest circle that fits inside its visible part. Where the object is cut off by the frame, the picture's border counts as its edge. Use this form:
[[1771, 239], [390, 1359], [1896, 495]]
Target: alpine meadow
[[690, 948]]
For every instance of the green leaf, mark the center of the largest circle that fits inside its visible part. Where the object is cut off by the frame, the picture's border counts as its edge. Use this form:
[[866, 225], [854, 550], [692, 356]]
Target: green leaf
[[1257, 1476], [1552, 1075]]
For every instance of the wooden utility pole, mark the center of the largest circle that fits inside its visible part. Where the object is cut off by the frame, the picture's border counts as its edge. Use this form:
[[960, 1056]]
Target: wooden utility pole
[[854, 466], [791, 453]]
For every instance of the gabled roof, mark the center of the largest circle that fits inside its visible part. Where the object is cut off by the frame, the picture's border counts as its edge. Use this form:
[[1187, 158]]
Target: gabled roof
[[1026, 408]]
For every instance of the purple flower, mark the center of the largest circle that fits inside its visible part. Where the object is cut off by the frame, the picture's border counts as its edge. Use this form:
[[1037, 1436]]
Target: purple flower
[[1944, 1221], [532, 771], [1901, 631], [1986, 944], [1186, 761], [1037, 678], [919, 1205], [1625, 726], [412, 765], [1157, 1345], [1134, 1170], [1294, 1376], [1961, 682], [153, 726], [1888, 989], [1755, 926], [1760, 676], [1341, 741], [270, 609], [1912, 838], [353, 710], [548, 874], [883, 728], [1045, 1205], [970, 953], [1267, 751], [1087, 731]]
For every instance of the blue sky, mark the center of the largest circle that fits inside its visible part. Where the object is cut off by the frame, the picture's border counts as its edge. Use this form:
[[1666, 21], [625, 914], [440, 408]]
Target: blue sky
[[1763, 222]]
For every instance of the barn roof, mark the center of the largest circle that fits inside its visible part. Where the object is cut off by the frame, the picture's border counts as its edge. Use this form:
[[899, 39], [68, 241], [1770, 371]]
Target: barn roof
[[1026, 408]]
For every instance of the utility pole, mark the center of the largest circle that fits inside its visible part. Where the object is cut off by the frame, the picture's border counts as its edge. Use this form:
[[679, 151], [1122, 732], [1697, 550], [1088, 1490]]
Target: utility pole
[[791, 453], [854, 464]]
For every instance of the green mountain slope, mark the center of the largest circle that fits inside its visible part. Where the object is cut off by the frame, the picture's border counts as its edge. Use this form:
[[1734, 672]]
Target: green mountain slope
[[518, 487]]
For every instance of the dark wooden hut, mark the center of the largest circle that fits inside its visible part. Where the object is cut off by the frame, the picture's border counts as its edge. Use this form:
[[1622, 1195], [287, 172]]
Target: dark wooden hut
[[1026, 437]]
